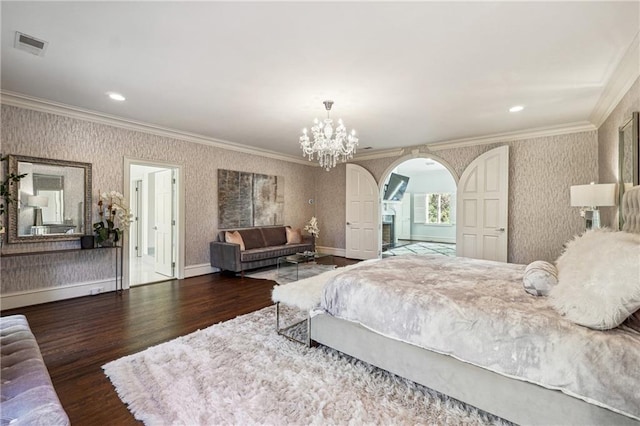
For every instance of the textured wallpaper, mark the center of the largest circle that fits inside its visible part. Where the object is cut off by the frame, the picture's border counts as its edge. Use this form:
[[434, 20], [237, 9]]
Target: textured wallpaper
[[541, 170], [22, 273], [38, 134], [608, 145]]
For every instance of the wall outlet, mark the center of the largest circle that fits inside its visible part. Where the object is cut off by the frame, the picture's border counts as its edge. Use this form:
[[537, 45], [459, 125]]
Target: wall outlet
[[96, 290]]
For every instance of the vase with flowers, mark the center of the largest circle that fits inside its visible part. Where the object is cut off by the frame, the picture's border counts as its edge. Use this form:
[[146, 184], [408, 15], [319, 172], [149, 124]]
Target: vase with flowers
[[312, 228], [114, 218]]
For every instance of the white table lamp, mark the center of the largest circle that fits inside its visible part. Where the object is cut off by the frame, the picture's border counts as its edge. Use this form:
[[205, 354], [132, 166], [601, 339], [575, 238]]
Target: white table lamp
[[590, 197], [37, 202]]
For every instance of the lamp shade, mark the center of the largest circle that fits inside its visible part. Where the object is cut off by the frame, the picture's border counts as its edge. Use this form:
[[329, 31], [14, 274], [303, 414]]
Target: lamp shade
[[593, 195], [37, 201]]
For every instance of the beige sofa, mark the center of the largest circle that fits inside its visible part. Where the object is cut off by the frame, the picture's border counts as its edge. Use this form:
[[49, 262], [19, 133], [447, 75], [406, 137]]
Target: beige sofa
[[263, 246]]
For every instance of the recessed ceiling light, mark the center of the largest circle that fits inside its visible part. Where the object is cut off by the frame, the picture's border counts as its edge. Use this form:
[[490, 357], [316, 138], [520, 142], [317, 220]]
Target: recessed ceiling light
[[516, 108], [116, 96]]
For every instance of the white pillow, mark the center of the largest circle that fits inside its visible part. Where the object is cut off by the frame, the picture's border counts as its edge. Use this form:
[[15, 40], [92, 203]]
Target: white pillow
[[599, 279], [539, 277]]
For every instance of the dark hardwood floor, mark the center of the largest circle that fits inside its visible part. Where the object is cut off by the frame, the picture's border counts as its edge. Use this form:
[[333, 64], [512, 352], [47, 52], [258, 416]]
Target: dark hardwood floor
[[78, 336]]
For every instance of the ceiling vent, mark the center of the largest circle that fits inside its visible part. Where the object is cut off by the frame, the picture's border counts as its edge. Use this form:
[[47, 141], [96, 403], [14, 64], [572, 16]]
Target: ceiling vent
[[30, 44]]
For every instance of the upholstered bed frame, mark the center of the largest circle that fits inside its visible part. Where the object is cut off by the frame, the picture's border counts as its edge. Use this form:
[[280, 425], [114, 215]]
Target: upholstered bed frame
[[514, 400], [631, 210]]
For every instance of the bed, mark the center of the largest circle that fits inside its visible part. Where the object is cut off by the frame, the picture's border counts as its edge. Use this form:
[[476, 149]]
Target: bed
[[477, 336]]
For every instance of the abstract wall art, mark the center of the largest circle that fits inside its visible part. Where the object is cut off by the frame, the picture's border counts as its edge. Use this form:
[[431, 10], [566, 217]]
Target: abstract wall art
[[249, 199]]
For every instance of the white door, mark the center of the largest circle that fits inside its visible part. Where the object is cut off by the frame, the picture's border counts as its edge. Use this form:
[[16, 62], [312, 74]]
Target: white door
[[163, 223], [482, 205], [403, 218], [363, 214]]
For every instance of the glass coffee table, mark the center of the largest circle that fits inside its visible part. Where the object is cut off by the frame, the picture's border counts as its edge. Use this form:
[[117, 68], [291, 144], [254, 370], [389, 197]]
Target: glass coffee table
[[299, 328], [305, 257]]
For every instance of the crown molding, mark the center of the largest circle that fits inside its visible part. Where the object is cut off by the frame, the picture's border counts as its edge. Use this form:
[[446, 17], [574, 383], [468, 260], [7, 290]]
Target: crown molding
[[623, 77], [483, 140], [42, 105], [541, 132], [383, 153]]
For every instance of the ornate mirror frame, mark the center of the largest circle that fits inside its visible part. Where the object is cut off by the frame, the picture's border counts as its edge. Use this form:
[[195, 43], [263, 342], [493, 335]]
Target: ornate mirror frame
[[628, 160], [14, 207]]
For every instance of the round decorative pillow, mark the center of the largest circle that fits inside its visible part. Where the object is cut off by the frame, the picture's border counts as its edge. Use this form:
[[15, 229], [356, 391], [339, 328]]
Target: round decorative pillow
[[539, 278]]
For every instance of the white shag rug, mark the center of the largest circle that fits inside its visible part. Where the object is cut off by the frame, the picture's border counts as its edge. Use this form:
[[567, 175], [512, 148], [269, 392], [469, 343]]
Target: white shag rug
[[242, 372], [287, 273]]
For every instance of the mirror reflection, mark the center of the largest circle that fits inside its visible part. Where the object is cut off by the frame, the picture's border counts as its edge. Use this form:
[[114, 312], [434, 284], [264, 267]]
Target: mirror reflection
[[53, 200], [629, 163]]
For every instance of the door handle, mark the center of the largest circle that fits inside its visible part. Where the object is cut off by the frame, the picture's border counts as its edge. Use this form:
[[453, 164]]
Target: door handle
[[155, 228], [500, 229], [348, 223]]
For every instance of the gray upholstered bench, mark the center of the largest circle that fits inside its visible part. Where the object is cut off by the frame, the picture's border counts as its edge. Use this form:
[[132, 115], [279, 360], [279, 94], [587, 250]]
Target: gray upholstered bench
[[304, 295], [28, 396]]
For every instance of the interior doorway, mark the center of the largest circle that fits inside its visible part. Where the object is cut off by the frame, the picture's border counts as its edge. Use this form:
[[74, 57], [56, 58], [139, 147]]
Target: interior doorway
[[418, 207], [153, 198]]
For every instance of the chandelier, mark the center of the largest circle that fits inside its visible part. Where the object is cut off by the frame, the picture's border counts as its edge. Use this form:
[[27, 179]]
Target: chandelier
[[327, 145]]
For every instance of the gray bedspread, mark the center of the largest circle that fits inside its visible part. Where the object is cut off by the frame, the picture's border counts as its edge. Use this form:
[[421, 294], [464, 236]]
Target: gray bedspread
[[477, 311]]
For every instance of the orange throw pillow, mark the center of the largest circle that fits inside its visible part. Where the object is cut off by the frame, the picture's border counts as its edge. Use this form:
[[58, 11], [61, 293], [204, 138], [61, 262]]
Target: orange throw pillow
[[294, 236], [235, 238]]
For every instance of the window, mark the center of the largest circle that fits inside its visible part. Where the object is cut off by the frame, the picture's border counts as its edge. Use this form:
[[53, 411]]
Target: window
[[434, 208], [438, 208]]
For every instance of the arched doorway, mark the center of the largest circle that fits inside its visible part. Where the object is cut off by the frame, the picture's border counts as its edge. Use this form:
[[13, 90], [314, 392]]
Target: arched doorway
[[423, 218]]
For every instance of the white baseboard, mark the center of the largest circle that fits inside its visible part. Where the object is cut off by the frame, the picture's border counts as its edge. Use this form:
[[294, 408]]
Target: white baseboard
[[430, 239], [197, 270], [332, 250], [44, 295]]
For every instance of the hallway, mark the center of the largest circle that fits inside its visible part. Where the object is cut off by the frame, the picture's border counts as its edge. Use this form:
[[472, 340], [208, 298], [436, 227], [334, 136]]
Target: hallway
[[142, 271]]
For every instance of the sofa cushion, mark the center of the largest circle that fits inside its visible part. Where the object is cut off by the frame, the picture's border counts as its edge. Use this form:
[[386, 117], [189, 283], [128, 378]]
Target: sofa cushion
[[274, 236], [294, 236], [272, 252], [252, 238]]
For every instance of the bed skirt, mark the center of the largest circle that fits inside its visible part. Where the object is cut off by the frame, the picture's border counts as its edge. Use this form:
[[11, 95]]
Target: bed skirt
[[514, 400]]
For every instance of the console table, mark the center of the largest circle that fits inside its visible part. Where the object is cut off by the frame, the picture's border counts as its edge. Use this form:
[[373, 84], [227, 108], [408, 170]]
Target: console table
[[119, 253]]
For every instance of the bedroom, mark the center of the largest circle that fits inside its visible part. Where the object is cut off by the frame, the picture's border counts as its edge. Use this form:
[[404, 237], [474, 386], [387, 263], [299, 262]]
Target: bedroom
[[544, 164]]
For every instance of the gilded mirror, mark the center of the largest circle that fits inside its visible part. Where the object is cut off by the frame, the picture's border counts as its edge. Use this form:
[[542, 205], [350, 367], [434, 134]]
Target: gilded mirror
[[53, 200], [628, 161]]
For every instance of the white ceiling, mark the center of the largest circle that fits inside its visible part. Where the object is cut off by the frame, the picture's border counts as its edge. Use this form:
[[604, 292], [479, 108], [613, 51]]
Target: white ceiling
[[401, 74]]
